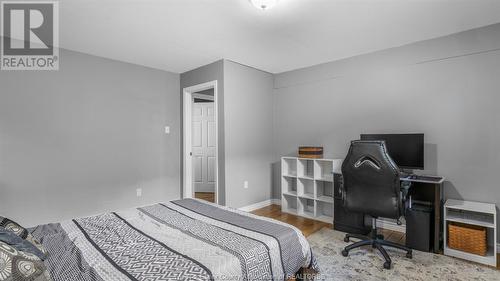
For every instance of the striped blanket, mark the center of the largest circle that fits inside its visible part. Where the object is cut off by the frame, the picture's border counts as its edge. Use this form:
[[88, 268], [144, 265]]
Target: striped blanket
[[180, 240]]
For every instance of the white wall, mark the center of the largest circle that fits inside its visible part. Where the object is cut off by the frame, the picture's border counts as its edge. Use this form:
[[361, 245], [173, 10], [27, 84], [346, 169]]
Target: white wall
[[248, 133], [447, 88]]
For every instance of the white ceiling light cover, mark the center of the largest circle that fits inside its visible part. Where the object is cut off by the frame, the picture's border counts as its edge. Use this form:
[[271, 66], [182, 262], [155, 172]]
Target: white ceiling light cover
[[264, 4]]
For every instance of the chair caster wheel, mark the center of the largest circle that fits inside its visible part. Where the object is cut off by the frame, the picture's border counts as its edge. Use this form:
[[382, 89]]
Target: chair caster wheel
[[387, 265], [409, 255], [345, 253], [346, 239]]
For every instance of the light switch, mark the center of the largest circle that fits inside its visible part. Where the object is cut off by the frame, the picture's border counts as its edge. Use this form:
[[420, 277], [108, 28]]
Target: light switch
[[167, 129], [245, 184]]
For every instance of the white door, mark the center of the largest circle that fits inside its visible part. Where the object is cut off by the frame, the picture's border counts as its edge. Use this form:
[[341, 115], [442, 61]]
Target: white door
[[203, 147]]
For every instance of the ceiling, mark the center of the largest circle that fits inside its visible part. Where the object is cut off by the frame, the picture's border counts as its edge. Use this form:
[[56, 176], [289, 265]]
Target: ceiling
[[180, 35]]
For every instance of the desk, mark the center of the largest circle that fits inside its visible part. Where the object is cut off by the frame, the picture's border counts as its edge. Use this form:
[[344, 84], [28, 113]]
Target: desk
[[430, 190]]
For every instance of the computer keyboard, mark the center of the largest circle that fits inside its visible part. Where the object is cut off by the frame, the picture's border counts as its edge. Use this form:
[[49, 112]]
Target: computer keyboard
[[424, 178]]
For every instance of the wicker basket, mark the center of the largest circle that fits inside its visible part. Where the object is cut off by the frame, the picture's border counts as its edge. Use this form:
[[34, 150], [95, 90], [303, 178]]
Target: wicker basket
[[467, 238]]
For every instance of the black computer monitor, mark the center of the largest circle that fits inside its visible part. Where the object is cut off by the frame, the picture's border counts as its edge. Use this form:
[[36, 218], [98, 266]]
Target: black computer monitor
[[407, 150]]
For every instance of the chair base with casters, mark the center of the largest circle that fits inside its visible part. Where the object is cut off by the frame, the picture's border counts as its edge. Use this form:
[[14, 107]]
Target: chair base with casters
[[376, 241]]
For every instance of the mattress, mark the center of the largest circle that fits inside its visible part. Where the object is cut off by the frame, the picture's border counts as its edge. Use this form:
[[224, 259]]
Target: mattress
[[185, 239]]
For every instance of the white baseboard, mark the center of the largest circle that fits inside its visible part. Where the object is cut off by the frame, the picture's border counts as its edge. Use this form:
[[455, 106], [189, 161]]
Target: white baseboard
[[259, 205], [391, 226]]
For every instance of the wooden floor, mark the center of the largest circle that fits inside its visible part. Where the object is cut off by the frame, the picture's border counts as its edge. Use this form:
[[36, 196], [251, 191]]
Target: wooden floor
[[309, 226], [207, 196]]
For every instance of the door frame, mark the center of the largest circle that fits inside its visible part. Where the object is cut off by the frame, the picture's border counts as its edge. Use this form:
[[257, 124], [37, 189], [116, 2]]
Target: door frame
[[188, 94], [203, 96]]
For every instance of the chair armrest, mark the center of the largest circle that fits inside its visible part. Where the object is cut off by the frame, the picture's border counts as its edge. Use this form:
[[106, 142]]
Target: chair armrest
[[341, 187], [405, 187]]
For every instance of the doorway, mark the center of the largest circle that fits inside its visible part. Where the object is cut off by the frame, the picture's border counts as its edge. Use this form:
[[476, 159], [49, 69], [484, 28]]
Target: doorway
[[200, 142]]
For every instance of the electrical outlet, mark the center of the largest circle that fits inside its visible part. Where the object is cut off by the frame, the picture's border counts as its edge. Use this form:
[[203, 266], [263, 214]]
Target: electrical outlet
[[245, 184], [138, 192]]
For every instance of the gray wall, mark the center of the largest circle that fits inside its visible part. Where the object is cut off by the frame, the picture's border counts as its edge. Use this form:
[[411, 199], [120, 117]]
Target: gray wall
[[245, 131], [207, 73], [447, 88], [79, 141], [248, 128]]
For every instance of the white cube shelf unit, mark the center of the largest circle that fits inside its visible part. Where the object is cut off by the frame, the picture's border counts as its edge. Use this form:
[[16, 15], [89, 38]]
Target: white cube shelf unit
[[473, 213], [307, 187]]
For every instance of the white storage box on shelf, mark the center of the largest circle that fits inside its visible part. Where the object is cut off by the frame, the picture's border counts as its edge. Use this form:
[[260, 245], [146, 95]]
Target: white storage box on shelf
[[477, 214]]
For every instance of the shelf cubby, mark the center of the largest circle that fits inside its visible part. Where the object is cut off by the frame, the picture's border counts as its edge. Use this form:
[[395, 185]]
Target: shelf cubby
[[324, 211], [471, 217], [305, 168], [306, 207], [289, 204], [289, 166], [323, 170], [305, 188], [324, 191], [289, 185]]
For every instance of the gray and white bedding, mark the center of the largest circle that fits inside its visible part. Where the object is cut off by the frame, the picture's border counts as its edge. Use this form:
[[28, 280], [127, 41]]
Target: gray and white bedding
[[186, 239]]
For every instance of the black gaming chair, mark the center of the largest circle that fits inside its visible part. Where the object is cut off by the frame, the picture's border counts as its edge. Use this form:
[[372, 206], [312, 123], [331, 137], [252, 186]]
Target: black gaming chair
[[371, 186]]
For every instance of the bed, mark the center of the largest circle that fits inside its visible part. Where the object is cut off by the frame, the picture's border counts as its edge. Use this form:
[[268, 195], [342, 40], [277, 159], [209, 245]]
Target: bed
[[185, 239]]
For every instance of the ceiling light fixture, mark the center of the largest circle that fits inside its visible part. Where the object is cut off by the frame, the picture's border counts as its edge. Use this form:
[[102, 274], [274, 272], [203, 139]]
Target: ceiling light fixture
[[264, 4]]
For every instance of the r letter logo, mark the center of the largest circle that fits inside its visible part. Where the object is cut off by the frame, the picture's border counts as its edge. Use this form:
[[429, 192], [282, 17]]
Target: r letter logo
[[30, 35]]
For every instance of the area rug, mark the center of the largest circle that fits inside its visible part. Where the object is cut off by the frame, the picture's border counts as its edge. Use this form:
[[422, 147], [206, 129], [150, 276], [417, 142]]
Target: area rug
[[366, 264]]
